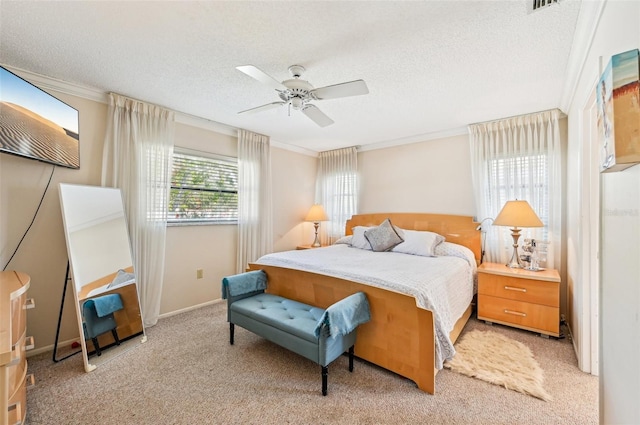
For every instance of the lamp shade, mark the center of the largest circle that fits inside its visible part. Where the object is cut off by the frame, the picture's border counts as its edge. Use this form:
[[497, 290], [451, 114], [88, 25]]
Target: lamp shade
[[316, 214], [517, 214]]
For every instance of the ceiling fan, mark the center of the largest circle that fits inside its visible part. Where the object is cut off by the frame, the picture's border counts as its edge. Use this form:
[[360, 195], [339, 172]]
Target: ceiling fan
[[297, 93]]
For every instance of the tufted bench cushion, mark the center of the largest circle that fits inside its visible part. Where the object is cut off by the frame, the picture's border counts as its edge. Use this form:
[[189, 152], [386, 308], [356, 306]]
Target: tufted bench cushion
[[289, 316]]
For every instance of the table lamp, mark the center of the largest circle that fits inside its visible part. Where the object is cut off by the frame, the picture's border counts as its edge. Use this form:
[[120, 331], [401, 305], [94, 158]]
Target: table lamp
[[517, 214], [316, 215]]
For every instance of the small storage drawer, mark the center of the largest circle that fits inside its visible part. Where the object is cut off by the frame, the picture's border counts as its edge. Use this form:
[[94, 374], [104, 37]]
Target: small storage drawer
[[527, 290], [18, 370], [535, 317], [18, 404]]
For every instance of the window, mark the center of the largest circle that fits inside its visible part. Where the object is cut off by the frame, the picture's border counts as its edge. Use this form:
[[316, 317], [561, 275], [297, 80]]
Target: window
[[204, 189], [519, 158], [337, 189], [526, 175]]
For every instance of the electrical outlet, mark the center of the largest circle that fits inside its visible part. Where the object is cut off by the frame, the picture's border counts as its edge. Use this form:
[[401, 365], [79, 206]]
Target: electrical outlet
[[199, 273]]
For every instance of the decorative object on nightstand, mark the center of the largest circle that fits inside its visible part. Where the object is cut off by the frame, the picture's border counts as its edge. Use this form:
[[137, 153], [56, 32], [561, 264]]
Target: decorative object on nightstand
[[316, 215], [534, 251], [520, 298], [517, 214]]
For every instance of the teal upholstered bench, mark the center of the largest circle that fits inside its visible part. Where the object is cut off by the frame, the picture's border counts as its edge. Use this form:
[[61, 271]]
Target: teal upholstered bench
[[319, 335]]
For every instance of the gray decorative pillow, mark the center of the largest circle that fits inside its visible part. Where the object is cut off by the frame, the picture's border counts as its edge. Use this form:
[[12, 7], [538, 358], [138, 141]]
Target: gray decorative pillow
[[383, 237]]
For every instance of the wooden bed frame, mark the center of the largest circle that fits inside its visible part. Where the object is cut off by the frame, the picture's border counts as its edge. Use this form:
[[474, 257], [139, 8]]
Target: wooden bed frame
[[400, 335]]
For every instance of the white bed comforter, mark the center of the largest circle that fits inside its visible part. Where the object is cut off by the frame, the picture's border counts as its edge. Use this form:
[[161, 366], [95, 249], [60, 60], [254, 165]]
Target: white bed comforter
[[443, 285]]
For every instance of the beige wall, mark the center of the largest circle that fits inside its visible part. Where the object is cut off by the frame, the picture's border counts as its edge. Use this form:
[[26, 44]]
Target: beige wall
[[432, 176], [43, 254], [213, 248], [294, 178]]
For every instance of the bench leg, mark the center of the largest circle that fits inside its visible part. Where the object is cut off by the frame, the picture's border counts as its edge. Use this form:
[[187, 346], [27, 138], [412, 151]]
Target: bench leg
[[96, 346], [351, 359], [115, 336], [231, 329], [325, 372]]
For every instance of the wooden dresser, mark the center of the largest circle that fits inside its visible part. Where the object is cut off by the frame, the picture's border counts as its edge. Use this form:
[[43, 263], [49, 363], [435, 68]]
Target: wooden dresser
[[520, 298], [13, 346]]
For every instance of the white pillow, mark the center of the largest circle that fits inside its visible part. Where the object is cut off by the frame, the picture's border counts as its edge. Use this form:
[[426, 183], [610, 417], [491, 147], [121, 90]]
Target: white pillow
[[455, 250], [418, 242], [358, 240], [346, 240]]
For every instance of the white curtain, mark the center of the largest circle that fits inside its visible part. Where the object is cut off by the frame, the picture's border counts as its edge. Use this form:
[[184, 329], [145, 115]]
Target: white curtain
[[519, 158], [137, 155], [337, 190], [255, 228]]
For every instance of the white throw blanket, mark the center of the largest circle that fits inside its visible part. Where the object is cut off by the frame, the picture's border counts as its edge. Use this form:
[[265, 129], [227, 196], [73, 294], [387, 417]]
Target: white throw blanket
[[443, 285]]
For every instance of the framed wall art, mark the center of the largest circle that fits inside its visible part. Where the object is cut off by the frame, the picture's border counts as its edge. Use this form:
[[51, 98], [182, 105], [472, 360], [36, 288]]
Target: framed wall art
[[618, 98]]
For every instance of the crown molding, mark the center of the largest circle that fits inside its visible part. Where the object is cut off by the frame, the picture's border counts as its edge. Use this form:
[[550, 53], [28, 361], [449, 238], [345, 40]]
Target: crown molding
[[205, 124], [293, 148], [97, 95], [415, 139], [49, 83]]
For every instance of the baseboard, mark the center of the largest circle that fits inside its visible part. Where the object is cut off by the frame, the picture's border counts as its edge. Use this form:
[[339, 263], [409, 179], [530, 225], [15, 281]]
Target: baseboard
[[67, 343], [46, 348], [573, 342], [193, 307]]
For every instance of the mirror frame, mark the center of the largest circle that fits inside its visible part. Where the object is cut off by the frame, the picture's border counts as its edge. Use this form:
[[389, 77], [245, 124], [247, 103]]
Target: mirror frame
[[82, 291]]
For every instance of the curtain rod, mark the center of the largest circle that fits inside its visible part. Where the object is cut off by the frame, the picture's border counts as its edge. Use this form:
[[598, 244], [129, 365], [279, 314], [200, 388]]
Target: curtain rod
[[562, 115]]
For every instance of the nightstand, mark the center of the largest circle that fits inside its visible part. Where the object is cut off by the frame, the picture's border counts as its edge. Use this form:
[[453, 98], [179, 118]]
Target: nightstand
[[520, 298], [306, 247]]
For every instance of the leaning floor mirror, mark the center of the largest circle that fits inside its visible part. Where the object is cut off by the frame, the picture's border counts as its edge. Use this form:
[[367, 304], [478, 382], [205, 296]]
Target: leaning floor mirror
[[101, 265]]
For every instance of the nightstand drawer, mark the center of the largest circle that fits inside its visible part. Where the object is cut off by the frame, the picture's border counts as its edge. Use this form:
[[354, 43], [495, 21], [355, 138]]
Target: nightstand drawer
[[535, 317], [527, 290]]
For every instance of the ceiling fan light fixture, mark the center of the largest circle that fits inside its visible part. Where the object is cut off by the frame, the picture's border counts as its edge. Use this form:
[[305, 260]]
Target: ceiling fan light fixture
[[297, 103]]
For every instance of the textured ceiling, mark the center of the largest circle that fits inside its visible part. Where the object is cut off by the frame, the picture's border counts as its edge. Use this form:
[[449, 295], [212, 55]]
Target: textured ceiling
[[432, 67]]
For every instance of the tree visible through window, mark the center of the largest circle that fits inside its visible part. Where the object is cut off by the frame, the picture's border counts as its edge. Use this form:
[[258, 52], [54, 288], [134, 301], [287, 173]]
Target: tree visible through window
[[204, 189], [526, 177]]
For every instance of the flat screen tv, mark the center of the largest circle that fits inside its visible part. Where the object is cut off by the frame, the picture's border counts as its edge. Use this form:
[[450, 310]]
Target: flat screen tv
[[36, 125]]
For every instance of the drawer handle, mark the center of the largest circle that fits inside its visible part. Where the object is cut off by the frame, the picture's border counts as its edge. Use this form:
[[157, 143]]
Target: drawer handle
[[15, 355], [30, 343], [513, 288], [29, 304], [515, 313], [17, 406]]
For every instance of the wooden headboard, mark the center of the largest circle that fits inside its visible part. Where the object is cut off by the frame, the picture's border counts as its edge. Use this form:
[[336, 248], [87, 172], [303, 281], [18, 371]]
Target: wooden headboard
[[458, 229]]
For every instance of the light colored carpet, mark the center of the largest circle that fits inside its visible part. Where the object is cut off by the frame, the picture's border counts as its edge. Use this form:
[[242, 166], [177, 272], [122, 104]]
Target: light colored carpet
[[500, 360], [187, 373]]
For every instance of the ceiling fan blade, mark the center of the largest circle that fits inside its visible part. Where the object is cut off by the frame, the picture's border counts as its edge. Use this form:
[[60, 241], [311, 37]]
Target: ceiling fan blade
[[263, 107], [317, 115], [260, 75], [352, 88]]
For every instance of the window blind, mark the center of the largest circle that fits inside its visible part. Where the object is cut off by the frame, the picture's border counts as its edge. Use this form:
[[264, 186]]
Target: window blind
[[203, 189]]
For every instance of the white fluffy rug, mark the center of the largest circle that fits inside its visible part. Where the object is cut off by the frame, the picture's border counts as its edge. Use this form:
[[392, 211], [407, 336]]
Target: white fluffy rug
[[494, 358]]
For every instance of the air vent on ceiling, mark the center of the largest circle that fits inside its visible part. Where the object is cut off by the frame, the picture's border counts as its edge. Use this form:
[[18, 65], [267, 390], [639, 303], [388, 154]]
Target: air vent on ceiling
[[541, 4]]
